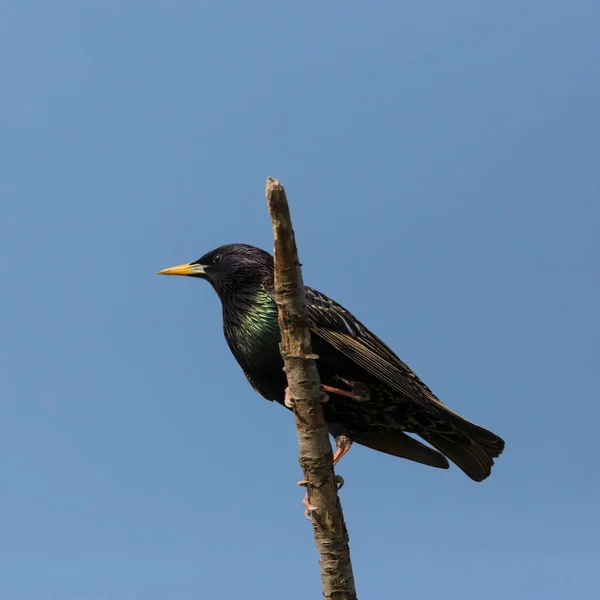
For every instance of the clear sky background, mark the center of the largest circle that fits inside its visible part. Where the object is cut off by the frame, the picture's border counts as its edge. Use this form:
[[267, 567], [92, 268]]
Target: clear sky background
[[442, 160]]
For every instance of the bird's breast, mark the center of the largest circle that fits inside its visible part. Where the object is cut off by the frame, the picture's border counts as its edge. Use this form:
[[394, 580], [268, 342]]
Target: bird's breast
[[253, 337]]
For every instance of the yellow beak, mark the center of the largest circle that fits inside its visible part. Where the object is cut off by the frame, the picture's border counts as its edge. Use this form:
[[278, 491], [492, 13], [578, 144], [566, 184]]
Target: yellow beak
[[189, 269]]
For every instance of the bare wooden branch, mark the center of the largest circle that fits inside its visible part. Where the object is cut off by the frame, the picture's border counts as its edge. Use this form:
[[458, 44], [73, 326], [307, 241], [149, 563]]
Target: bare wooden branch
[[331, 536]]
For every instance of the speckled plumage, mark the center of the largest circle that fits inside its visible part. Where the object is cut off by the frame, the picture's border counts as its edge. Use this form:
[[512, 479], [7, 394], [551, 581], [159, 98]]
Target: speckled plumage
[[350, 356]]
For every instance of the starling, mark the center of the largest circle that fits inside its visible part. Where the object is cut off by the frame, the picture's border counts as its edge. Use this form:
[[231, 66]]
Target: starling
[[375, 399]]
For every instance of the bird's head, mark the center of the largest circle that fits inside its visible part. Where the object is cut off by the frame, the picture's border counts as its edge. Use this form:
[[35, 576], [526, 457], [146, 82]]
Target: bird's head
[[229, 268]]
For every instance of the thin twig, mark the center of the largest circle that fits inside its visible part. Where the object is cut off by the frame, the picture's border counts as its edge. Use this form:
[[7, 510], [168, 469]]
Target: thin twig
[[331, 536]]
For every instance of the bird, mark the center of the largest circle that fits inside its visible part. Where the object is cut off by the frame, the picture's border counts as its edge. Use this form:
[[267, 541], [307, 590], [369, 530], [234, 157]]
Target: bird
[[374, 398]]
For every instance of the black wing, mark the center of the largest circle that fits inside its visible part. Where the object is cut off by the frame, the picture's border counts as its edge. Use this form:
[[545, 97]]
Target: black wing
[[334, 324]]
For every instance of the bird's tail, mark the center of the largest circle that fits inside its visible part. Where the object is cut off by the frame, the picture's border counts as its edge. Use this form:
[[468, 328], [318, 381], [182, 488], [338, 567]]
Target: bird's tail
[[468, 446], [398, 443]]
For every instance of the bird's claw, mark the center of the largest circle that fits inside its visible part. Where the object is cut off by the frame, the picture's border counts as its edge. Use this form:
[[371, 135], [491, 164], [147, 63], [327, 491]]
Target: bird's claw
[[288, 399], [342, 446], [309, 508]]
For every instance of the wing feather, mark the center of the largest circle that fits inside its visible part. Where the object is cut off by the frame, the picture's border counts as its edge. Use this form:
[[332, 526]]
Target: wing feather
[[338, 327]]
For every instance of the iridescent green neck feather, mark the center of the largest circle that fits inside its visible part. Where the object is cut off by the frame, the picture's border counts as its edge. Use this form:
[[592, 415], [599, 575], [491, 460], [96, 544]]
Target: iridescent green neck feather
[[251, 329], [251, 319]]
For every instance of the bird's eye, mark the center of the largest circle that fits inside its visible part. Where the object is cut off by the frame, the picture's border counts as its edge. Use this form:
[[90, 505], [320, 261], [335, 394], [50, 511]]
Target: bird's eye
[[217, 258]]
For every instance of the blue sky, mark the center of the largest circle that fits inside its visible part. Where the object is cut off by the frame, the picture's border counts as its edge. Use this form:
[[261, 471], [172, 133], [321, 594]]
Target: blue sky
[[441, 160]]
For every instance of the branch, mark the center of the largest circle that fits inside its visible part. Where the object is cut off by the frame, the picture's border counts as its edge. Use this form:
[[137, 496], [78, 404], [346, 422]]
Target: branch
[[331, 536]]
